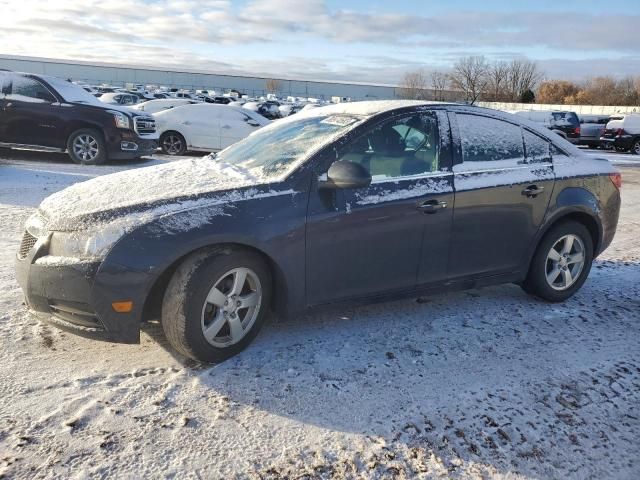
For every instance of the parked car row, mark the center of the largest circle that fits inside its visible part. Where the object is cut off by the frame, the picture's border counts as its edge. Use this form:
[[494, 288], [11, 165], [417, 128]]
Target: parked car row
[[620, 132]]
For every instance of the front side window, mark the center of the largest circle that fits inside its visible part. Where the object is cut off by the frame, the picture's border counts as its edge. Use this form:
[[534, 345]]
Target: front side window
[[29, 90], [401, 147], [486, 139]]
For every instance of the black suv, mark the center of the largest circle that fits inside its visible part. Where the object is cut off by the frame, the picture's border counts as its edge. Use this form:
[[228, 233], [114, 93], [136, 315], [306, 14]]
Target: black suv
[[47, 113]]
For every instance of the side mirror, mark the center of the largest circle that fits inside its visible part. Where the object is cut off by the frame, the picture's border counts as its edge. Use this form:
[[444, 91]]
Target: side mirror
[[344, 174]]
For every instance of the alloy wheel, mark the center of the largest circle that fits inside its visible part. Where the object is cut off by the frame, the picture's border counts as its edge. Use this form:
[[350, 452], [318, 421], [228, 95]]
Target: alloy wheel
[[86, 148], [565, 262], [231, 307], [172, 144]]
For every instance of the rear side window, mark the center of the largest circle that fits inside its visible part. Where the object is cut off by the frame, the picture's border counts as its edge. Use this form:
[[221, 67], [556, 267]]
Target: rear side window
[[486, 139], [538, 149], [565, 119], [27, 89]]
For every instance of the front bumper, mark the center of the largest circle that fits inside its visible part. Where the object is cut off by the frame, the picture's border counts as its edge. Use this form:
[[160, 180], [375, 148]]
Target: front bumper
[[126, 145], [76, 296]]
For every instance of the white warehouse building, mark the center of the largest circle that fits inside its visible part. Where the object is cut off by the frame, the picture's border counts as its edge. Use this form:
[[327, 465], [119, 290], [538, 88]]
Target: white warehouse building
[[95, 73]]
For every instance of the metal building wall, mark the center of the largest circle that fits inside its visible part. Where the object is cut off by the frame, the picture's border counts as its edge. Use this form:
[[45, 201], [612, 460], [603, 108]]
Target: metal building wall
[[118, 75]]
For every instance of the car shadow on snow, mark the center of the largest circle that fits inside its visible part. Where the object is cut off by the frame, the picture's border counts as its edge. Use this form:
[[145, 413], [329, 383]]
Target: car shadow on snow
[[489, 379], [61, 158]]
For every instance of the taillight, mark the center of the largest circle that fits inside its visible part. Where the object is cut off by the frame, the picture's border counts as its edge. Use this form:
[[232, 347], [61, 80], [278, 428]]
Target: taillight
[[577, 130], [616, 179], [620, 132]]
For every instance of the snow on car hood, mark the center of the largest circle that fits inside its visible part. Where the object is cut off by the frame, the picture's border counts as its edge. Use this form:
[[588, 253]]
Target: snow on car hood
[[147, 193]]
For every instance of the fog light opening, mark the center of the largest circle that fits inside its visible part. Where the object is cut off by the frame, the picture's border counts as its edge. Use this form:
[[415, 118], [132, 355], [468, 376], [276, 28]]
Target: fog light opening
[[129, 146]]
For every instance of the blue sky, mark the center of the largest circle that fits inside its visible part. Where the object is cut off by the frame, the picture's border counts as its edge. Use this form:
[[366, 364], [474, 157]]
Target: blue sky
[[368, 41]]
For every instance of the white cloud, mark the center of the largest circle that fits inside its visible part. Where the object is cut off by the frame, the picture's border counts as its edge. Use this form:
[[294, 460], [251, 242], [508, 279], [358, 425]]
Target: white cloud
[[219, 34]]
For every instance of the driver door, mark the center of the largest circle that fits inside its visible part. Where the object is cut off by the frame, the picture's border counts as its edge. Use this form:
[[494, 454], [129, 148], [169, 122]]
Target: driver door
[[29, 114], [393, 234]]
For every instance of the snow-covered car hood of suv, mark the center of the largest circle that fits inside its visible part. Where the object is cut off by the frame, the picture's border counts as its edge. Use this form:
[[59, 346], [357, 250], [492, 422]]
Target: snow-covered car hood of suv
[[147, 193]]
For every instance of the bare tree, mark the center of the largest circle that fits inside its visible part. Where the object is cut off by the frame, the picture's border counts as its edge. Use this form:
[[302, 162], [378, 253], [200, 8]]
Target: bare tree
[[413, 86], [439, 82], [470, 76], [497, 75], [522, 75], [272, 85]]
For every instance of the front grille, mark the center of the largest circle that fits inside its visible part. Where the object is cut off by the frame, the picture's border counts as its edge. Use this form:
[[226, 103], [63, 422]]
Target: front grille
[[145, 125], [28, 241]]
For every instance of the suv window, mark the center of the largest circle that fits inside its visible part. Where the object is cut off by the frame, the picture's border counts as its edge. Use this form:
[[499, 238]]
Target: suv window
[[486, 139], [538, 149], [565, 119], [29, 90], [397, 148]]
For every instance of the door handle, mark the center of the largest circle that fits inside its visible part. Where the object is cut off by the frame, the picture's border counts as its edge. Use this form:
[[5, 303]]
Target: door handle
[[226, 127], [532, 191], [186, 122], [432, 206]]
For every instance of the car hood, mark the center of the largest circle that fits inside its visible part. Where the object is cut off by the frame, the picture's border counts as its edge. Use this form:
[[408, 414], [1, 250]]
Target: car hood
[[146, 193]]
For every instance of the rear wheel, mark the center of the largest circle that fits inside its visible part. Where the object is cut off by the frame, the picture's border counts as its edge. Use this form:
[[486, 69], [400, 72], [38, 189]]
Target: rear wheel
[[635, 149], [215, 303], [172, 143], [87, 147], [561, 263]]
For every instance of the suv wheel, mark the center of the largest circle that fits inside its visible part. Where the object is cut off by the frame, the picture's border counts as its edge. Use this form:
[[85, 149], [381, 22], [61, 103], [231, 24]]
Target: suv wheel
[[87, 147], [561, 263], [636, 147], [172, 143], [216, 303]]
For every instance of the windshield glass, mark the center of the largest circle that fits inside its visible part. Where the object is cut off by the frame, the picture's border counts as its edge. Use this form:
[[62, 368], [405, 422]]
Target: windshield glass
[[277, 150], [71, 92]]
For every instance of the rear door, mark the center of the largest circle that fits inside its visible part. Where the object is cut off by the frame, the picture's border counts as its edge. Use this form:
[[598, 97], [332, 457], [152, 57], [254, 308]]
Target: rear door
[[503, 182], [391, 235], [29, 116]]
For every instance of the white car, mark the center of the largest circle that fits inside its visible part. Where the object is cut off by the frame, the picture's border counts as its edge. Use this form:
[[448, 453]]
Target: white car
[[206, 127], [155, 106], [119, 98]]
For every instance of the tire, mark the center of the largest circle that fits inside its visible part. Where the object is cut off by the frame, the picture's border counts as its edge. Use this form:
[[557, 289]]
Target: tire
[[86, 147], [635, 148], [173, 143], [188, 308], [537, 283]]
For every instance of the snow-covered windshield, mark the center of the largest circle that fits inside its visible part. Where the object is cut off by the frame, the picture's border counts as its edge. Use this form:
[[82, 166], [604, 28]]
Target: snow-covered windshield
[[71, 92], [278, 149]]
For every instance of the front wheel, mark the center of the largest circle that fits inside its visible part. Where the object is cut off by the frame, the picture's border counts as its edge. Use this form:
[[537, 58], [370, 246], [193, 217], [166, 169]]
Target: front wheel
[[172, 143], [561, 263], [87, 147], [215, 303], [635, 149]]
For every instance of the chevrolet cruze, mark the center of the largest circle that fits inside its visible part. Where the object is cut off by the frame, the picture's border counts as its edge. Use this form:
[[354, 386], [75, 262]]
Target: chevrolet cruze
[[345, 204]]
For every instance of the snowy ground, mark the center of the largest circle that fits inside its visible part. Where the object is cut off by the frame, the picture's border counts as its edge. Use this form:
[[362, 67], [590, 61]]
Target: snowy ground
[[478, 384]]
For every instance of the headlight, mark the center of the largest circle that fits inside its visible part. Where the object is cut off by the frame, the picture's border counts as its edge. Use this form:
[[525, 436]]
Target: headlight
[[86, 243], [121, 119], [36, 226]]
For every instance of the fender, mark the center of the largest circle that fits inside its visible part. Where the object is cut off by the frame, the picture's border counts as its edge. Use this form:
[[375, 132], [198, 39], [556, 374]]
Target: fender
[[570, 200], [278, 232]]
